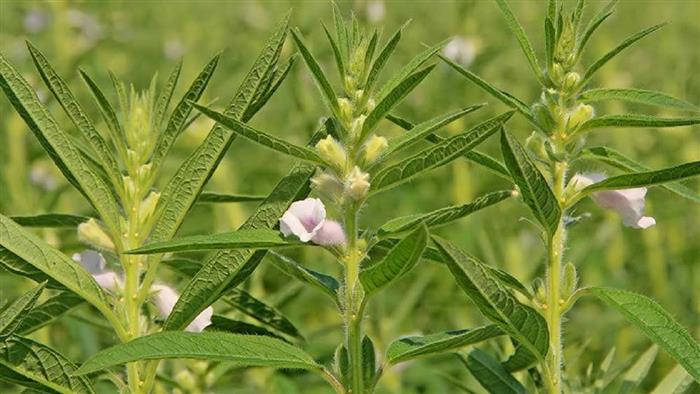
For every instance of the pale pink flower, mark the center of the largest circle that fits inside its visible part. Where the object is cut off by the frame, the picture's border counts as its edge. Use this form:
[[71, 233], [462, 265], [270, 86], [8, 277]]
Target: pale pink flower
[[306, 219], [94, 263], [330, 233], [165, 298], [628, 203], [461, 50]]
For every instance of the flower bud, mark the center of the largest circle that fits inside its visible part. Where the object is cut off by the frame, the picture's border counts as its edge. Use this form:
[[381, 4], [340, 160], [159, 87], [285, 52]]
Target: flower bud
[[539, 290], [580, 115], [356, 127], [374, 148], [358, 95], [535, 144], [327, 184], [571, 81], [332, 152], [357, 184], [566, 42], [148, 206], [557, 73], [92, 233], [186, 380], [570, 281], [349, 83], [345, 110], [129, 188], [357, 61], [544, 117], [143, 174]]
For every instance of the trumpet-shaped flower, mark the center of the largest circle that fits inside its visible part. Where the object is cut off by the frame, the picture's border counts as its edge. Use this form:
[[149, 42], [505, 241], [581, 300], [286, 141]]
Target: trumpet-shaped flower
[[95, 264], [628, 203], [306, 219], [165, 298]]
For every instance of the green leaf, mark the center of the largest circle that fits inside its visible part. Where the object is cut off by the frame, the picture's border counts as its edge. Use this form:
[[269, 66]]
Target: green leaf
[[618, 160], [166, 95], [635, 120], [532, 184], [247, 350], [479, 158], [521, 359], [412, 347], [677, 381], [58, 144], [629, 41], [341, 32], [50, 220], [182, 110], [510, 281], [400, 259], [12, 316], [435, 156], [640, 96], [48, 311], [384, 55], [441, 216], [648, 178], [30, 364], [425, 129], [240, 239], [183, 188], [407, 70], [550, 40], [323, 282], [108, 113], [490, 373], [264, 96], [525, 45], [223, 323], [595, 22], [327, 93], [639, 370], [339, 62], [76, 113], [261, 312], [262, 138], [656, 323], [369, 363], [213, 197], [521, 322], [387, 102]]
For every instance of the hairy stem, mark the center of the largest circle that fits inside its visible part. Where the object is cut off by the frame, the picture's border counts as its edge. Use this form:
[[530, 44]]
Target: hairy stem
[[353, 302]]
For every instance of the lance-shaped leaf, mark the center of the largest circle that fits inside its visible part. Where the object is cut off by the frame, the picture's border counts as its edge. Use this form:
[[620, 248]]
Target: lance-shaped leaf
[[49, 311], [183, 188], [166, 94], [639, 370], [245, 350], [223, 323], [482, 159], [635, 120], [407, 70], [392, 98], [647, 178], [26, 254], [262, 138], [408, 348], [639, 96], [520, 359], [323, 282], [182, 110], [442, 216], [532, 184], [76, 113], [397, 262], [30, 364], [384, 55], [594, 23], [275, 82], [490, 373], [213, 197], [618, 160], [261, 312], [434, 157], [107, 110], [13, 315], [550, 40], [656, 323], [339, 61], [320, 78], [240, 239], [57, 143], [493, 299], [525, 45], [369, 363], [677, 381], [50, 220], [608, 56]]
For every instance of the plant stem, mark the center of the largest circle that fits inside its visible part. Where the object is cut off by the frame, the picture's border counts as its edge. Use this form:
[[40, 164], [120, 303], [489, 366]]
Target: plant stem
[[554, 302], [353, 302]]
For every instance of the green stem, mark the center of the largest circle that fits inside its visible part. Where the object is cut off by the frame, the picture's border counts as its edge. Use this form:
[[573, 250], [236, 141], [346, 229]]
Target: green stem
[[353, 302]]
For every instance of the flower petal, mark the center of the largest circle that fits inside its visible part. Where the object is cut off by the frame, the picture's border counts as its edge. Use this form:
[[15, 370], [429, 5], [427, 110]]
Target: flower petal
[[303, 218], [331, 233]]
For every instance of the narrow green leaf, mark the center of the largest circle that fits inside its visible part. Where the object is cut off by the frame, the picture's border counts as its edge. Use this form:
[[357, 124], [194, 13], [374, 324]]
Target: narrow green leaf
[[656, 323], [400, 259], [107, 110], [549, 41], [369, 363], [49, 311], [521, 359], [441, 216], [371, 47], [677, 381], [384, 55], [521, 322], [595, 22], [166, 95], [490, 373], [407, 70], [387, 102], [262, 312], [247, 350], [213, 197], [639, 370], [608, 56], [223, 323], [578, 14], [57, 143], [640, 96], [341, 32], [329, 96], [532, 184], [182, 111], [635, 120], [510, 281], [525, 45], [12, 316], [618, 160], [39, 367], [435, 156], [50, 220], [649, 178], [339, 62], [260, 137], [408, 348], [265, 95], [323, 282]]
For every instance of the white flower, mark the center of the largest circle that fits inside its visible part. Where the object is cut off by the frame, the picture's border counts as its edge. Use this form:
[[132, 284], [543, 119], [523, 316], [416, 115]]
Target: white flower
[[357, 184], [165, 298], [94, 263], [375, 10], [628, 203], [460, 50], [306, 219]]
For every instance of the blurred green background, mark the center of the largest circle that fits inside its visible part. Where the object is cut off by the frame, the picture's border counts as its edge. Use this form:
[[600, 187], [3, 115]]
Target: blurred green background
[[135, 39]]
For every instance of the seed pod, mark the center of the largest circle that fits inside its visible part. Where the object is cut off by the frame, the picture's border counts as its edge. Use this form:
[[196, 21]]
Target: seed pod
[[92, 233], [570, 281], [332, 152]]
